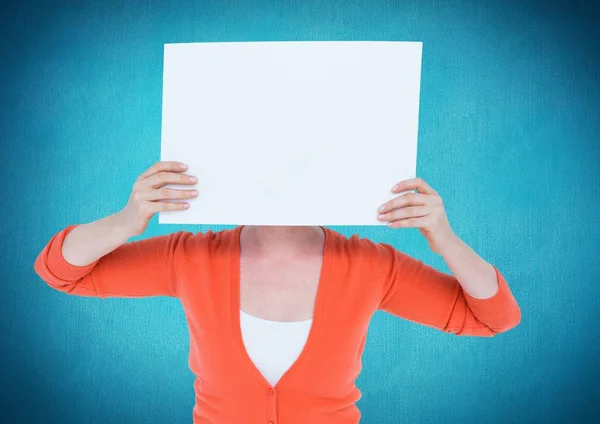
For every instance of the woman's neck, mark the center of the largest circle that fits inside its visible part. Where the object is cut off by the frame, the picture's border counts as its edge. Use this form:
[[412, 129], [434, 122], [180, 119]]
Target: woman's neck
[[277, 241]]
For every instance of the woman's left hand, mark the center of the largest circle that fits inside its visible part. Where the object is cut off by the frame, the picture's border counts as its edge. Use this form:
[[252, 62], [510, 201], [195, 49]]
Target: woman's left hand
[[424, 210]]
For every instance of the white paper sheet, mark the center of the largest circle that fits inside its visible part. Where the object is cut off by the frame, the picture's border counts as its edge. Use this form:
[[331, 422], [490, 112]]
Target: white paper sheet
[[290, 133]]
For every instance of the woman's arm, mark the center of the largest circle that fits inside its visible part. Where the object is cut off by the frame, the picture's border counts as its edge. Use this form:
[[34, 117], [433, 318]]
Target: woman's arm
[[474, 302], [87, 243], [94, 260], [422, 294]]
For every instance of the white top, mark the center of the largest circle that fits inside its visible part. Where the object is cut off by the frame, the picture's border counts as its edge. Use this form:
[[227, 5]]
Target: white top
[[273, 346]]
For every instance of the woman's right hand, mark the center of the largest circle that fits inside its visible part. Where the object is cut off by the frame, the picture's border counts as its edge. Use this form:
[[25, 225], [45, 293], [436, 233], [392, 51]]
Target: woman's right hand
[[149, 196]]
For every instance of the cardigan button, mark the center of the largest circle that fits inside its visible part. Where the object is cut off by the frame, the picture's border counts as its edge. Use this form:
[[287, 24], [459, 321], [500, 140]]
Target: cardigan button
[[271, 392]]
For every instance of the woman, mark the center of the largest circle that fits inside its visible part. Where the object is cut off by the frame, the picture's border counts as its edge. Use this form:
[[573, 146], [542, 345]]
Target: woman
[[278, 316]]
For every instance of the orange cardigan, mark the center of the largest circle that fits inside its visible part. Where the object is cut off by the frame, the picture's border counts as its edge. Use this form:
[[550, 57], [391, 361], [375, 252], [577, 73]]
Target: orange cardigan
[[358, 277]]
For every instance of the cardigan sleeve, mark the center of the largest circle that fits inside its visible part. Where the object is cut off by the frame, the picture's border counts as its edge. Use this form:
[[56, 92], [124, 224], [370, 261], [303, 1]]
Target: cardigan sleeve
[[422, 294], [134, 269]]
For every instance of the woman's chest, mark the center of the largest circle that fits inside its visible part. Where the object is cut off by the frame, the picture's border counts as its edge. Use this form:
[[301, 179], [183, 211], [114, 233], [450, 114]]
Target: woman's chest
[[340, 295], [279, 290]]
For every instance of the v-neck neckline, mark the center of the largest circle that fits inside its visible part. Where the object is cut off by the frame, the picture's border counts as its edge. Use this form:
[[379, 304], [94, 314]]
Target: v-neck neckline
[[235, 302]]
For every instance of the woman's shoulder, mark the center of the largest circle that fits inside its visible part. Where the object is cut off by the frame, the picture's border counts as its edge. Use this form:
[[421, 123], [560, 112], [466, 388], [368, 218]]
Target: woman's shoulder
[[357, 246], [194, 244], [364, 244]]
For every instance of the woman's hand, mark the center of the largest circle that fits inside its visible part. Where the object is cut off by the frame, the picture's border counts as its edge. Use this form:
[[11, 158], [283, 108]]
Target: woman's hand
[[148, 195], [423, 210]]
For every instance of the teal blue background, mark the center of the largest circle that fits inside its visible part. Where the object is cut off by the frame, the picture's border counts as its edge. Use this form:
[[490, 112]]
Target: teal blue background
[[508, 135]]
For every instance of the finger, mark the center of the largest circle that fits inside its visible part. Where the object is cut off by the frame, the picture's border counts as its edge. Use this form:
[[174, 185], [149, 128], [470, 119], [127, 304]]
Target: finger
[[406, 212], [163, 166], [414, 199], [167, 193], [408, 222], [414, 184], [163, 178], [163, 205]]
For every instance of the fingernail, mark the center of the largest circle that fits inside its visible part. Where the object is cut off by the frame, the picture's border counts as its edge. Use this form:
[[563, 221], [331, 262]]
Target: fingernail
[[193, 179], [395, 187], [183, 165], [381, 208]]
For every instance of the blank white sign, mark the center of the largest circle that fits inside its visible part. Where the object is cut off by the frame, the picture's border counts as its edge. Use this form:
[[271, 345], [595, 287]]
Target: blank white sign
[[290, 133]]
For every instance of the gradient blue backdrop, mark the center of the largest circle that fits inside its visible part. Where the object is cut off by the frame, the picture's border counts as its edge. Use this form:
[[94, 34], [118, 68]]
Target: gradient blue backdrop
[[509, 126]]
